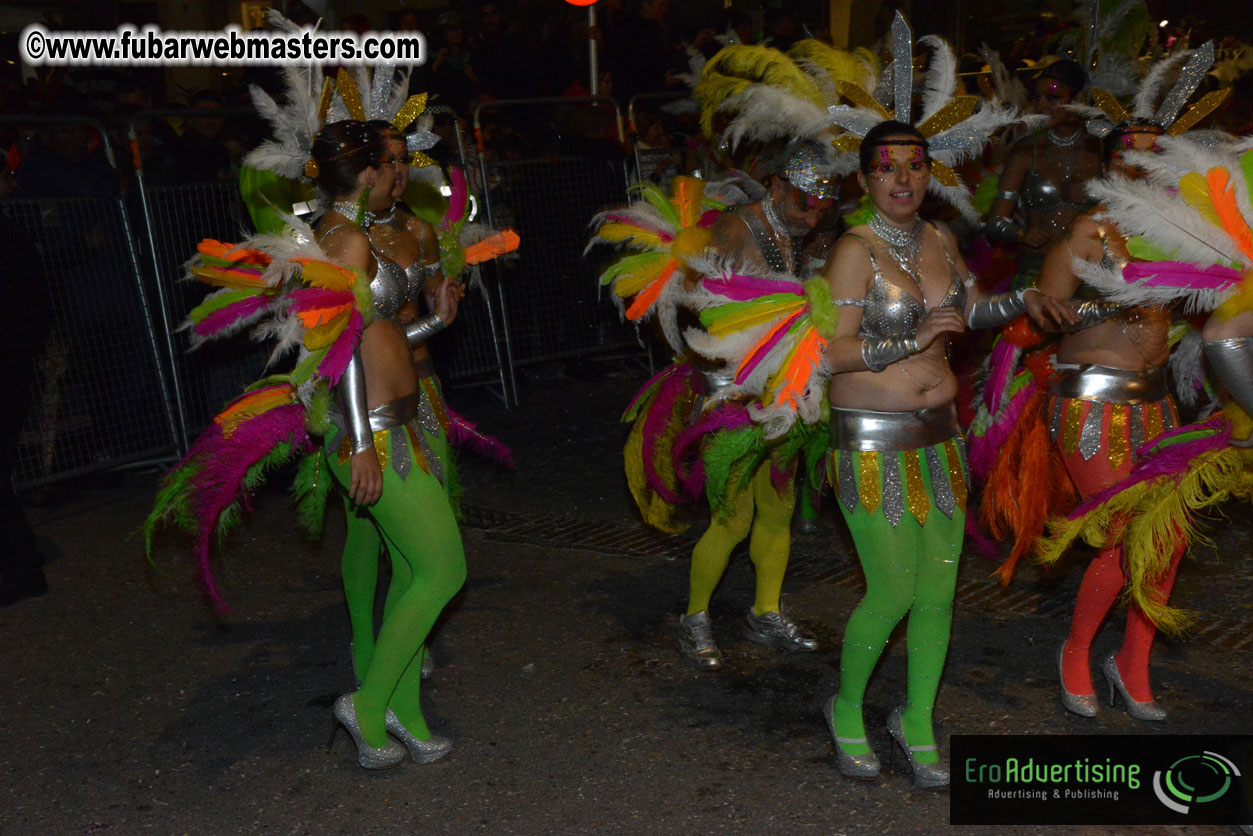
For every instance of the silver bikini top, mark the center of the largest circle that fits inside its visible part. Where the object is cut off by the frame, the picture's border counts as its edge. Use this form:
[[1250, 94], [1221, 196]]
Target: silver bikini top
[[394, 285], [890, 311]]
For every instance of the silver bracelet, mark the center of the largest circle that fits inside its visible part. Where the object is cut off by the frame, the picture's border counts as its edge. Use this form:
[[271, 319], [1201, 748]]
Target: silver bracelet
[[423, 329], [1232, 360], [997, 309], [1003, 229], [880, 353], [1093, 312]]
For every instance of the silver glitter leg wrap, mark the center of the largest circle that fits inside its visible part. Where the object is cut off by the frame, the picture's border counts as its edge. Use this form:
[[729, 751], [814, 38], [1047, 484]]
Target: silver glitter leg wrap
[[428, 422], [882, 352], [997, 309], [1232, 361]]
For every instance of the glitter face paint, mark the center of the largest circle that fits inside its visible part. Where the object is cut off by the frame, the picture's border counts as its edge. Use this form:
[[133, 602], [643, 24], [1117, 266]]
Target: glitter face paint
[[894, 156]]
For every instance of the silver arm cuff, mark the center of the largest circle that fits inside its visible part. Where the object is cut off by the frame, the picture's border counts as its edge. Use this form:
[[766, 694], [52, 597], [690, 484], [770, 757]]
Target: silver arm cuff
[[996, 309], [1002, 229], [880, 353], [1012, 197], [423, 329], [1092, 312], [1232, 361], [352, 402]]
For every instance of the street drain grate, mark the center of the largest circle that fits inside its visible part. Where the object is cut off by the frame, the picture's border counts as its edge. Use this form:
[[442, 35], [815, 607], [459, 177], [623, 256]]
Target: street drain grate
[[812, 562]]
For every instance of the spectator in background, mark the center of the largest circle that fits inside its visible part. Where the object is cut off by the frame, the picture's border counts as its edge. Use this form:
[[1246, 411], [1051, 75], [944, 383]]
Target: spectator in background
[[65, 161], [22, 282], [497, 55], [640, 53], [419, 74], [451, 74], [200, 154], [781, 29]]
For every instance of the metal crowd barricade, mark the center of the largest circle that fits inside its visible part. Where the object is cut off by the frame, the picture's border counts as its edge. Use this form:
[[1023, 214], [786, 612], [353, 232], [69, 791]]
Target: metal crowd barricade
[[177, 218], [471, 352], [549, 298], [101, 396], [658, 165]]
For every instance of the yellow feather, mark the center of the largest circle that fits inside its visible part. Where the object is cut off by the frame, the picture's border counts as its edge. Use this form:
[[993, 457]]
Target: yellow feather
[[757, 315], [629, 284], [324, 335], [1195, 191], [616, 233]]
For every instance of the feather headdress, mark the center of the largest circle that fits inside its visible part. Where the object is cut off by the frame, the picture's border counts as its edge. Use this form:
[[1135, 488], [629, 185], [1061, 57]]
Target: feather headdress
[[1148, 106], [956, 127], [312, 100], [768, 95]]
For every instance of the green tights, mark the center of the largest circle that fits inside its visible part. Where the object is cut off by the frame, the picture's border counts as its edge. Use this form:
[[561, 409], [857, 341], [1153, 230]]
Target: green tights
[[757, 508], [415, 522], [910, 569]]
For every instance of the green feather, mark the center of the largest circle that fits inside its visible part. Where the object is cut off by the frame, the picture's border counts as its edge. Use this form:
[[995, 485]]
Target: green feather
[[822, 311], [217, 300], [172, 504], [711, 315], [311, 487], [862, 214], [1246, 167], [316, 421], [1143, 250], [660, 202], [731, 457], [630, 264]]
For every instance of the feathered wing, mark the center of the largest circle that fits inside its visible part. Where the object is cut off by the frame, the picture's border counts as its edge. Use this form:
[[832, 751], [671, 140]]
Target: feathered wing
[[321, 308]]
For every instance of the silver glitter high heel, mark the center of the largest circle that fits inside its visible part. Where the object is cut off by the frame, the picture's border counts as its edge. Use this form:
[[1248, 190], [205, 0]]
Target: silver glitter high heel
[[862, 767], [1082, 704], [926, 775], [1149, 710], [370, 757], [777, 630], [696, 641], [422, 751]]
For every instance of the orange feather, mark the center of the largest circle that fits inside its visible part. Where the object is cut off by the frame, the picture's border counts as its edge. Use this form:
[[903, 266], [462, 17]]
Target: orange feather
[[1224, 199], [804, 361], [492, 247], [748, 355], [645, 298]]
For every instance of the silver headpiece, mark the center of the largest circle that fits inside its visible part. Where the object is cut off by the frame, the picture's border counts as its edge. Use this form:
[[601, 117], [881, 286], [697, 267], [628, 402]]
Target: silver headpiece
[[807, 168]]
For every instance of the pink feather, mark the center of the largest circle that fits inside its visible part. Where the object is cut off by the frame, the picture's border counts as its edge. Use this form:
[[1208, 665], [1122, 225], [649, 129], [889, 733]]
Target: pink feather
[[707, 219], [465, 435], [725, 416], [660, 415], [221, 464], [1181, 274], [457, 200], [306, 298], [340, 353], [762, 351], [984, 449], [740, 288], [1001, 368], [230, 315]]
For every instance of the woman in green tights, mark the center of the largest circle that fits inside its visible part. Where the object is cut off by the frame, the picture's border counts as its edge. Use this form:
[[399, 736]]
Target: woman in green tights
[[898, 462], [377, 456]]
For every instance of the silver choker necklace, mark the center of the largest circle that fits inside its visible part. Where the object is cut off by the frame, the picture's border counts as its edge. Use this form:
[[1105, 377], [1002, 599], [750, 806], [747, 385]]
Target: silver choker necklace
[[1064, 141], [388, 218], [354, 212], [904, 245]]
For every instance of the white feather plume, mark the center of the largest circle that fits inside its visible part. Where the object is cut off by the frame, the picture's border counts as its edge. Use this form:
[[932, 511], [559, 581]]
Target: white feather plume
[[1187, 367], [1145, 102], [1140, 208], [764, 113], [941, 83]]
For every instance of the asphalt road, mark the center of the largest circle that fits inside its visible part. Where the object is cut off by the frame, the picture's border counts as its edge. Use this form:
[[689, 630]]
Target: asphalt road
[[130, 709]]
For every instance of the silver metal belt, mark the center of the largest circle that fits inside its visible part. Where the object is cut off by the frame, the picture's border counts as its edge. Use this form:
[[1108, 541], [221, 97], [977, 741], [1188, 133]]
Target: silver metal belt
[[1109, 385], [384, 416], [871, 430]]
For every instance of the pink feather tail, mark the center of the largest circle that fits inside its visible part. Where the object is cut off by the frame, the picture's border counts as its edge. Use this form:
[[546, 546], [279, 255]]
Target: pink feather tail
[[466, 436], [985, 448]]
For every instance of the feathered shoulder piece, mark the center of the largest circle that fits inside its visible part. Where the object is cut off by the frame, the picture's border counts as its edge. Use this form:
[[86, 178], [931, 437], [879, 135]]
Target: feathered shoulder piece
[[284, 288], [772, 330], [658, 235], [956, 127], [1187, 226], [771, 95]]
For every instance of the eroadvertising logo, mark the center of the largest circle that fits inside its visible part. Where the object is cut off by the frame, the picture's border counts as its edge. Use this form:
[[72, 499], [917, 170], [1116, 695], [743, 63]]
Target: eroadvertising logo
[[1094, 779]]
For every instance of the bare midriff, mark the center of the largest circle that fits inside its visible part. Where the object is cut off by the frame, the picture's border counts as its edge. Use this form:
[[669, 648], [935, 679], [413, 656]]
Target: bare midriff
[[896, 388], [388, 364], [1136, 341]]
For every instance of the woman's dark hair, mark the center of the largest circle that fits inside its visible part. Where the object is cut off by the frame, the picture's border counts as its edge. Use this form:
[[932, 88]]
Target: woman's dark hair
[[1067, 72], [342, 150], [874, 137]]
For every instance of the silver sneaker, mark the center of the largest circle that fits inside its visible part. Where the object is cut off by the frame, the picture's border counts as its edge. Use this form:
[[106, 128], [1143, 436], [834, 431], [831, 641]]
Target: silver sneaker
[[696, 642], [777, 630]]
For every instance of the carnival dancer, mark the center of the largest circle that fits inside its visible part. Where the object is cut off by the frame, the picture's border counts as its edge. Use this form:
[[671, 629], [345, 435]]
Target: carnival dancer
[[897, 465], [319, 300], [692, 432], [1041, 187], [1108, 401]]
